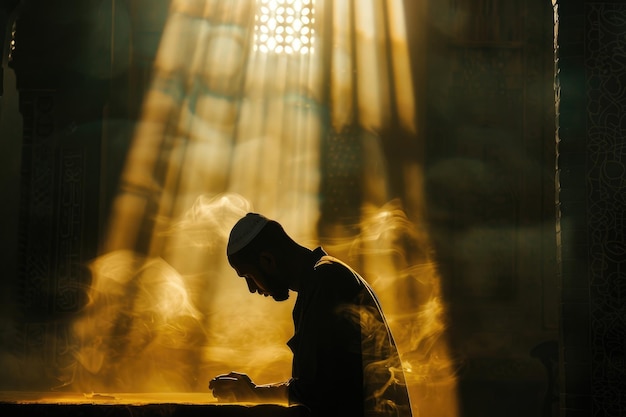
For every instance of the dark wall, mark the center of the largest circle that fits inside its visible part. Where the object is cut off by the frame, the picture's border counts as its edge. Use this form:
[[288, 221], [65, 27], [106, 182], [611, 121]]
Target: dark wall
[[491, 147], [592, 151], [490, 195], [72, 92]]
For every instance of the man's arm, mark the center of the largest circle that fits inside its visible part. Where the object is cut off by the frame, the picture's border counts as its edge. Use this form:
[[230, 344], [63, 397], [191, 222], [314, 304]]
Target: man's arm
[[328, 374], [237, 387]]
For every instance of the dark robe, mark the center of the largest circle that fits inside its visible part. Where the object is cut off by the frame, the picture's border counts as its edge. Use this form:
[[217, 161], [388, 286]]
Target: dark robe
[[345, 362]]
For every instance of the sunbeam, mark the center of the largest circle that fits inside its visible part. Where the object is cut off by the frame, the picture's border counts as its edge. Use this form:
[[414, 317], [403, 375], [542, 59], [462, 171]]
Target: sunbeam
[[288, 108]]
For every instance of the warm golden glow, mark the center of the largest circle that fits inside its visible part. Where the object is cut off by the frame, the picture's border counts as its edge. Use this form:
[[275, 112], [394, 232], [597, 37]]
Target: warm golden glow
[[235, 120]]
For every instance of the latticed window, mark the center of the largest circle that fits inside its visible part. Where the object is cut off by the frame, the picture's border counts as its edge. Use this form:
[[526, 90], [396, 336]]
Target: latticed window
[[284, 26]]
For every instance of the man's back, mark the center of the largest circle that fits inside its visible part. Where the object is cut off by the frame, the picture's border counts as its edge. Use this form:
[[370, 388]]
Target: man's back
[[345, 361]]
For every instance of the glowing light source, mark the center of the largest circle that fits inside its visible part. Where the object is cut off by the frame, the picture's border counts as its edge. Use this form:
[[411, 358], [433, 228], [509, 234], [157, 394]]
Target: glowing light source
[[276, 17], [218, 125]]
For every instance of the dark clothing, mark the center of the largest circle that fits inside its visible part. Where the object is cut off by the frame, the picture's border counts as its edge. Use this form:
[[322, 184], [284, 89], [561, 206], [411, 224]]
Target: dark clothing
[[345, 362]]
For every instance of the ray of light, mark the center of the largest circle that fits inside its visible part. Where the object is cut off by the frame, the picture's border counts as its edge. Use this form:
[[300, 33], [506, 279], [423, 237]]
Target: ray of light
[[232, 123]]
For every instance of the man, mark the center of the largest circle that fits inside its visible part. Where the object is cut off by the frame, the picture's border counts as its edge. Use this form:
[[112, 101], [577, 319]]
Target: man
[[345, 362]]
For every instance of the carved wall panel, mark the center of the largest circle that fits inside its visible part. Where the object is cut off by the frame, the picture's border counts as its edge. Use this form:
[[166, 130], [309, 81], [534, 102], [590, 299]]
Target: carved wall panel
[[591, 166], [61, 101]]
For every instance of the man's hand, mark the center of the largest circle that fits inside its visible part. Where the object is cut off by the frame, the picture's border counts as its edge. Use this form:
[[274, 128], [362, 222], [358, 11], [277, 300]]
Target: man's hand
[[233, 387]]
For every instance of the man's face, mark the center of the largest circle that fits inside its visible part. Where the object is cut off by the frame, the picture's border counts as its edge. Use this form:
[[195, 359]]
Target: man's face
[[264, 282]]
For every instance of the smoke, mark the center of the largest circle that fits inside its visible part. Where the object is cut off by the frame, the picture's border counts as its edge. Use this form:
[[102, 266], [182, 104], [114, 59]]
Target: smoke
[[169, 323], [138, 329], [384, 380], [393, 253], [208, 222]]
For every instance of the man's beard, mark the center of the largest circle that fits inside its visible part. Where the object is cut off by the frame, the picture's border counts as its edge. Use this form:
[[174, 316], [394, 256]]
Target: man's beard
[[280, 295], [277, 291]]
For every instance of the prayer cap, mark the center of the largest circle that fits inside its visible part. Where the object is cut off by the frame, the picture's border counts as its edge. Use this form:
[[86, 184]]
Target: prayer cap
[[246, 229]]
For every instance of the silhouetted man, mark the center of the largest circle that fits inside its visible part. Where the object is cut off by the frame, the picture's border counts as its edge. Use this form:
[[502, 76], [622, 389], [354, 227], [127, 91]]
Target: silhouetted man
[[345, 362]]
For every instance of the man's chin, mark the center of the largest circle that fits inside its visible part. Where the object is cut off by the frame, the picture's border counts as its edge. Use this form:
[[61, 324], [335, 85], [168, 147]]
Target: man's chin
[[281, 296]]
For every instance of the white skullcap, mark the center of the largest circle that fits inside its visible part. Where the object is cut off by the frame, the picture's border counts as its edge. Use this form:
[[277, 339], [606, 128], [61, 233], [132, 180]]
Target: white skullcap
[[246, 229]]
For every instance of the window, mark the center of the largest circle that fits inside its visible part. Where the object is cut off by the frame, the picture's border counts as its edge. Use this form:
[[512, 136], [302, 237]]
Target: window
[[284, 26]]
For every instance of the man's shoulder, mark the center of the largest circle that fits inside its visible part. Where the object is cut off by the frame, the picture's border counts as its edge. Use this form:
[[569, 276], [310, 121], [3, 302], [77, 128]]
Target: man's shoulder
[[332, 272], [330, 264]]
